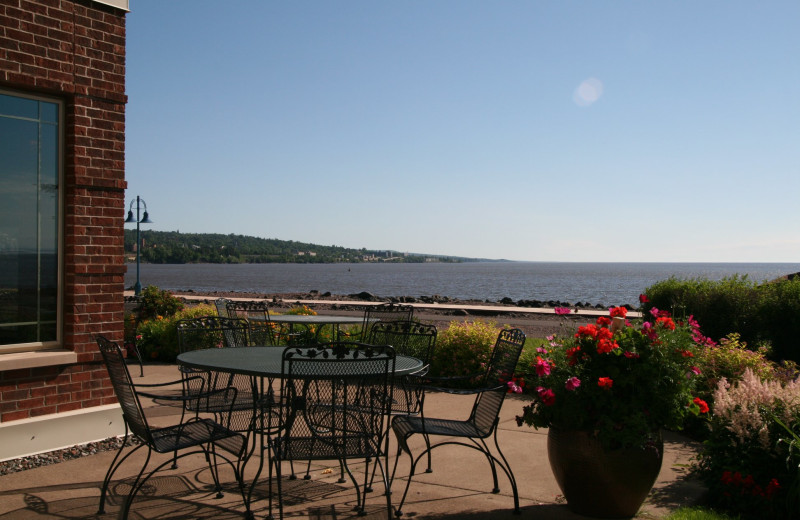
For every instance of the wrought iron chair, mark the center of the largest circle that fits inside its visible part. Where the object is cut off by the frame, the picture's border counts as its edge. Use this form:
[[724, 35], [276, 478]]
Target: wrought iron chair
[[222, 307], [334, 409], [198, 435], [382, 312], [481, 423], [409, 338], [263, 331], [216, 332]]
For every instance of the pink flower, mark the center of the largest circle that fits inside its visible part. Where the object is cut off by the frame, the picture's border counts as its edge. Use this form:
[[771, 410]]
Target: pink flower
[[541, 350], [513, 387], [654, 312], [542, 367], [562, 310], [572, 383], [693, 371]]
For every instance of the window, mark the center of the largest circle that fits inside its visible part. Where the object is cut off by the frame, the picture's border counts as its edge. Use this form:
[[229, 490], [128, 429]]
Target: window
[[30, 198]]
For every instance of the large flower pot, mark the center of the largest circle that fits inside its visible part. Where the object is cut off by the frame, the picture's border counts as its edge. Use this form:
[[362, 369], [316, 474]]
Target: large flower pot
[[598, 482]]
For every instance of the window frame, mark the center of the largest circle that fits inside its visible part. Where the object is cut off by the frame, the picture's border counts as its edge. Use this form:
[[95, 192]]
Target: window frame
[[58, 343]]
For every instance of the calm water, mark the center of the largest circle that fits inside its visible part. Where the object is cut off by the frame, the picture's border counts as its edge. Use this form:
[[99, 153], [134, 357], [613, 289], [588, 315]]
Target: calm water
[[604, 283]]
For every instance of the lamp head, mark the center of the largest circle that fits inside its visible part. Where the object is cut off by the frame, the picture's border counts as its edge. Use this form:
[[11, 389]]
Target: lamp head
[[145, 219], [130, 219]]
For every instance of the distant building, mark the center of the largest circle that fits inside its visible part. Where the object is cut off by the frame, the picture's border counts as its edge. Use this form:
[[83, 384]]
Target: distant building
[[62, 161]]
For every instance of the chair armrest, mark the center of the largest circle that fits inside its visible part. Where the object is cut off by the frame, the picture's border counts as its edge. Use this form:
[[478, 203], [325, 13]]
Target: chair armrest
[[420, 379]]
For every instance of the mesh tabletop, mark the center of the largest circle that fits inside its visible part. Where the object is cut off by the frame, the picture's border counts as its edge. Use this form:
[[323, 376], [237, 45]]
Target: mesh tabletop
[[263, 361]]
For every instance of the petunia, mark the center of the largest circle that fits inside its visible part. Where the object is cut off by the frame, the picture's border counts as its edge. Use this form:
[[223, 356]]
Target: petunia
[[547, 396], [572, 383]]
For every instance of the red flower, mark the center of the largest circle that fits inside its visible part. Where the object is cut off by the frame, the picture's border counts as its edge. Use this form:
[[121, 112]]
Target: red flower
[[604, 346], [604, 321], [632, 355], [604, 334], [702, 404], [643, 298], [618, 311], [572, 355], [547, 396], [605, 382], [587, 331], [666, 322]]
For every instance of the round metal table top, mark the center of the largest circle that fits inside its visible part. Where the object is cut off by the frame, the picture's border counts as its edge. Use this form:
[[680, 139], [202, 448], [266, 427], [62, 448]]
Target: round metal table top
[[263, 361], [314, 319]]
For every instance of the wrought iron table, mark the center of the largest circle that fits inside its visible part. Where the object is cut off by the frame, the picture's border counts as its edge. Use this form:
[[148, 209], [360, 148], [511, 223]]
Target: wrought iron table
[[263, 365]]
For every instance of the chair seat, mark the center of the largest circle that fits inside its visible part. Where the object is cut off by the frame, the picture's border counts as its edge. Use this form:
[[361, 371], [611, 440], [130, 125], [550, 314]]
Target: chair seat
[[406, 425], [314, 448], [195, 433]]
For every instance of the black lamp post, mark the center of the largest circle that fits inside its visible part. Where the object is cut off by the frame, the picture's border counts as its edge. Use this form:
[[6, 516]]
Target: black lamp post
[[140, 203]]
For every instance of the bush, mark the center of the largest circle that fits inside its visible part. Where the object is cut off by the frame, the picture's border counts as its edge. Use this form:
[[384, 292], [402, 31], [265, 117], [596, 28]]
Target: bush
[[746, 462], [761, 314], [159, 336], [155, 302], [464, 348], [729, 360]]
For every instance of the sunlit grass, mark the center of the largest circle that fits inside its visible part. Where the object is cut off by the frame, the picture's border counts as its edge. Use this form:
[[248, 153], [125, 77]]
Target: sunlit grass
[[698, 513]]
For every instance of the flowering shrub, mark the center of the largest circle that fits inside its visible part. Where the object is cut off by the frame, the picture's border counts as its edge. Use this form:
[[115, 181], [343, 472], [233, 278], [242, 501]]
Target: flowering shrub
[[158, 337], [619, 381], [749, 461], [463, 348], [729, 359]]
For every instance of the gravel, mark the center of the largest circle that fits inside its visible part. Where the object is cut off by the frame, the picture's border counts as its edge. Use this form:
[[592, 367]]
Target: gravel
[[54, 457]]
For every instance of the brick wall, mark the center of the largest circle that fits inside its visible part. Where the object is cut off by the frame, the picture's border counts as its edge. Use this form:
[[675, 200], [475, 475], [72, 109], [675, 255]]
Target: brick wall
[[75, 50]]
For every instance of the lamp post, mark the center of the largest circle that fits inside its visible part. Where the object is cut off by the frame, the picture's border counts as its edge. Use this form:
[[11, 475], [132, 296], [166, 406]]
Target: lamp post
[[140, 203]]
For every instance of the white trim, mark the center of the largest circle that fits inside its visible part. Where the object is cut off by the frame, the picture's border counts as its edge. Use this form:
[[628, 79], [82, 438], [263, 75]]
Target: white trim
[[36, 359], [119, 4], [62, 430]]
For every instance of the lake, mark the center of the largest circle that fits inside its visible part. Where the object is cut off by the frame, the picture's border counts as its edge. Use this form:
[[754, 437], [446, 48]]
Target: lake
[[573, 282]]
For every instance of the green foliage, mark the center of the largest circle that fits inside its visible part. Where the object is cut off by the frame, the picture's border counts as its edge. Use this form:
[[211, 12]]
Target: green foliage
[[730, 359], [159, 338], [155, 302], [749, 460], [172, 247], [698, 513], [464, 348], [768, 313]]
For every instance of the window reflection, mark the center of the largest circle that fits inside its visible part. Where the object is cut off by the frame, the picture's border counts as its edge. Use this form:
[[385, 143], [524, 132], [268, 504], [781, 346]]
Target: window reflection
[[29, 213]]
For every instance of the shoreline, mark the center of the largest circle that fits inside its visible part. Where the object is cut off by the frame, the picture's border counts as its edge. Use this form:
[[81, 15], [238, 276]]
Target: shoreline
[[536, 322]]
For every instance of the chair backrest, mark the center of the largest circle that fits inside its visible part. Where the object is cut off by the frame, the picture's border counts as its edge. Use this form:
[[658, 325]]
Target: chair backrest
[[499, 371], [335, 400], [409, 338], [248, 309], [385, 312], [121, 380], [222, 307], [211, 332], [262, 330]]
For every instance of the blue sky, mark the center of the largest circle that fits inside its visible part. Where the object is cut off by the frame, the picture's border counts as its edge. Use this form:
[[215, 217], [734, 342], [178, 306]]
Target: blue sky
[[525, 130]]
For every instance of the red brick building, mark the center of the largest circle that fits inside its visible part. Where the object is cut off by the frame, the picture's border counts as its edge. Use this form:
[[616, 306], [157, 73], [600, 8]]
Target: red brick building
[[62, 206]]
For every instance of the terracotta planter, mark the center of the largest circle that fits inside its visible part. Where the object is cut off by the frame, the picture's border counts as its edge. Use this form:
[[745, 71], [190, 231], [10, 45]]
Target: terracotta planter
[[598, 482]]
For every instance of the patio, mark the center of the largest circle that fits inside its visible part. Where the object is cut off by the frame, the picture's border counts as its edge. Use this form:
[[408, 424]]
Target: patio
[[458, 487]]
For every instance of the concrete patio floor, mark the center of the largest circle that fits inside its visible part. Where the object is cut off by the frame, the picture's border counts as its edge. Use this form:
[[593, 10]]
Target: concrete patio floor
[[458, 488]]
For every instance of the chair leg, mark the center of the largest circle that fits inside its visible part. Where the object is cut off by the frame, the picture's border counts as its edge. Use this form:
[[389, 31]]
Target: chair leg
[[135, 487], [115, 463]]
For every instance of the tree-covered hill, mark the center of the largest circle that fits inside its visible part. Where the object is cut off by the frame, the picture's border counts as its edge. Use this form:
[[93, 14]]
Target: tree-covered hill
[[174, 247]]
